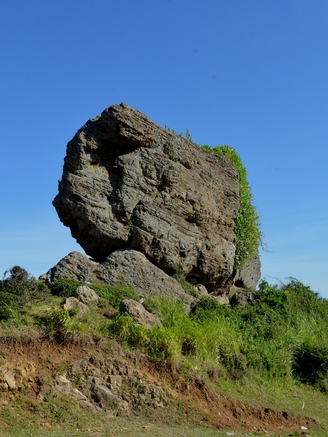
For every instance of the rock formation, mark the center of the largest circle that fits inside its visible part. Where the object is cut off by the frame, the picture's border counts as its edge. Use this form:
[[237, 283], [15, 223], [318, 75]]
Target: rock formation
[[129, 184], [128, 266]]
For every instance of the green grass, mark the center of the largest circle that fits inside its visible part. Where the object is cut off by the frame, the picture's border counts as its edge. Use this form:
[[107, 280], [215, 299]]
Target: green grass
[[273, 353]]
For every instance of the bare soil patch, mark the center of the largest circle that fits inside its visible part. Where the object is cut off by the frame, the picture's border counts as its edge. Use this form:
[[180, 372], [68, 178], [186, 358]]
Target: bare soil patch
[[189, 398]]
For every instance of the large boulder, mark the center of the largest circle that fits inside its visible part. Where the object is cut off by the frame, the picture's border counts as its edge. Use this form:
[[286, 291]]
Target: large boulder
[[128, 183]]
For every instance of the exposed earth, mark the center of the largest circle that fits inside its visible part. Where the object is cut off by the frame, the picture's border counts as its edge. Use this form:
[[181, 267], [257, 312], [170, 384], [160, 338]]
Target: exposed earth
[[31, 369]]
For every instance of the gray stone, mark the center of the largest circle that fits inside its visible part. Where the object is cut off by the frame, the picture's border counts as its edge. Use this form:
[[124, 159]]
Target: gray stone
[[223, 299], [139, 313], [128, 266], [88, 406], [243, 298], [201, 289], [75, 265], [128, 183], [133, 268], [71, 303], [249, 275], [106, 398], [9, 378], [86, 295]]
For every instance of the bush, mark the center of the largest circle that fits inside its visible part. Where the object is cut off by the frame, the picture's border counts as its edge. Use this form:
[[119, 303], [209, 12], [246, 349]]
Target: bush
[[310, 364], [64, 287], [8, 305], [20, 288], [206, 309], [59, 322], [273, 297]]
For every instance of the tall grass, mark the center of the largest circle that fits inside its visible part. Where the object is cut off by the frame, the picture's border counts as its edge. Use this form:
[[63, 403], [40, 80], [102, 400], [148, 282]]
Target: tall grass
[[282, 337]]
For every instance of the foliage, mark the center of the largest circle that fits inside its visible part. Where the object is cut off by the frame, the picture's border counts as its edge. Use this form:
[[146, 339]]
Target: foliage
[[65, 287], [247, 223], [274, 338], [8, 305], [282, 337], [114, 294], [310, 363], [187, 133], [60, 323], [206, 309], [17, 289], [173, 157]]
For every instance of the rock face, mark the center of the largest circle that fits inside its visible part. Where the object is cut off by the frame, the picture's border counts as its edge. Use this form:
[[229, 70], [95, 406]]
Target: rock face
[[128, 266], [249, 275], [128, 183]]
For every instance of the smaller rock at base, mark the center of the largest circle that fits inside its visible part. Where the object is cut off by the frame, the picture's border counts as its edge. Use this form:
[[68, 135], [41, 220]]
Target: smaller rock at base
[[72, 303], [139, 313], [86, 295]]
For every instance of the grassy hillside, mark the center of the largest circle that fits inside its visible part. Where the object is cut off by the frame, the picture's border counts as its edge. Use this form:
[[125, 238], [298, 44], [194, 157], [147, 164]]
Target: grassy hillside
[[273, 352]]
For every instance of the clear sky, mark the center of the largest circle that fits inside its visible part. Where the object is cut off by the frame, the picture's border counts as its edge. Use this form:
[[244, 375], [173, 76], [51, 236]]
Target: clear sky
[[252, 74]]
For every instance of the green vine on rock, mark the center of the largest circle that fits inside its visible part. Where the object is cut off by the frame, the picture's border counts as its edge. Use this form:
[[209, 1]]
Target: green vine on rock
[[247, 222]]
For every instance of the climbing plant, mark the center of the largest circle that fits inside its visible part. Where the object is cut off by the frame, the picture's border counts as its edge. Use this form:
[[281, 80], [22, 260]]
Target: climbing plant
[[247, 222]]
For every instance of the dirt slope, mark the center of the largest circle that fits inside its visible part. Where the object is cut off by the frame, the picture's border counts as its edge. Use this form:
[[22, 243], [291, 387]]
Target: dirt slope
[[23, 363]]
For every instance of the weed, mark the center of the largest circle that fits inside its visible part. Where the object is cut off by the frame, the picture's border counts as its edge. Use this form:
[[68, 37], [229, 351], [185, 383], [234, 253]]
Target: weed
[[173, 157]]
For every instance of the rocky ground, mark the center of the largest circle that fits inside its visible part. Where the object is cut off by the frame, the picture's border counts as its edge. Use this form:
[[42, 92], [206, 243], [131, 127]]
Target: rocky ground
[[105, 380]]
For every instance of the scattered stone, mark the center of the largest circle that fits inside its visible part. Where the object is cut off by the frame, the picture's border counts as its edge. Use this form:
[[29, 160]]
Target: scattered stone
[[139, 313], [71, 303], [128, 266], [249, 275], [223, 299], [243, 298], [86, 295], [9, 378], [88, 406], [201, 289]]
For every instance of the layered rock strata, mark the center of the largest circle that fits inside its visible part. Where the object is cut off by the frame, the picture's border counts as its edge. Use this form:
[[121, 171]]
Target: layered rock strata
[[129, 184]]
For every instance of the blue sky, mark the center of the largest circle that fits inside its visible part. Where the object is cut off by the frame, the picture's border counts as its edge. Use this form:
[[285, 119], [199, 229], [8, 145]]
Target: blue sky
[[248, 73]]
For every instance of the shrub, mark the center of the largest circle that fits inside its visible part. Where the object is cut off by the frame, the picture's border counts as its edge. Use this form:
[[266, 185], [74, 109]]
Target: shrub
[[310, 364], [273, 297], [115, 293], [59, 322], [21, 288], [65, 287], [8, 305], [206, 309]]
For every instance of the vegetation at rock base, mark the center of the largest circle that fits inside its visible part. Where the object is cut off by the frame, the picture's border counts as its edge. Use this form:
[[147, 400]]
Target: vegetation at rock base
[[278, 345], [247, 223]]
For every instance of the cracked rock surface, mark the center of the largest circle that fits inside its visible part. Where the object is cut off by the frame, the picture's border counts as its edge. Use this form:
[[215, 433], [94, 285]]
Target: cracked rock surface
[[129, 184]]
